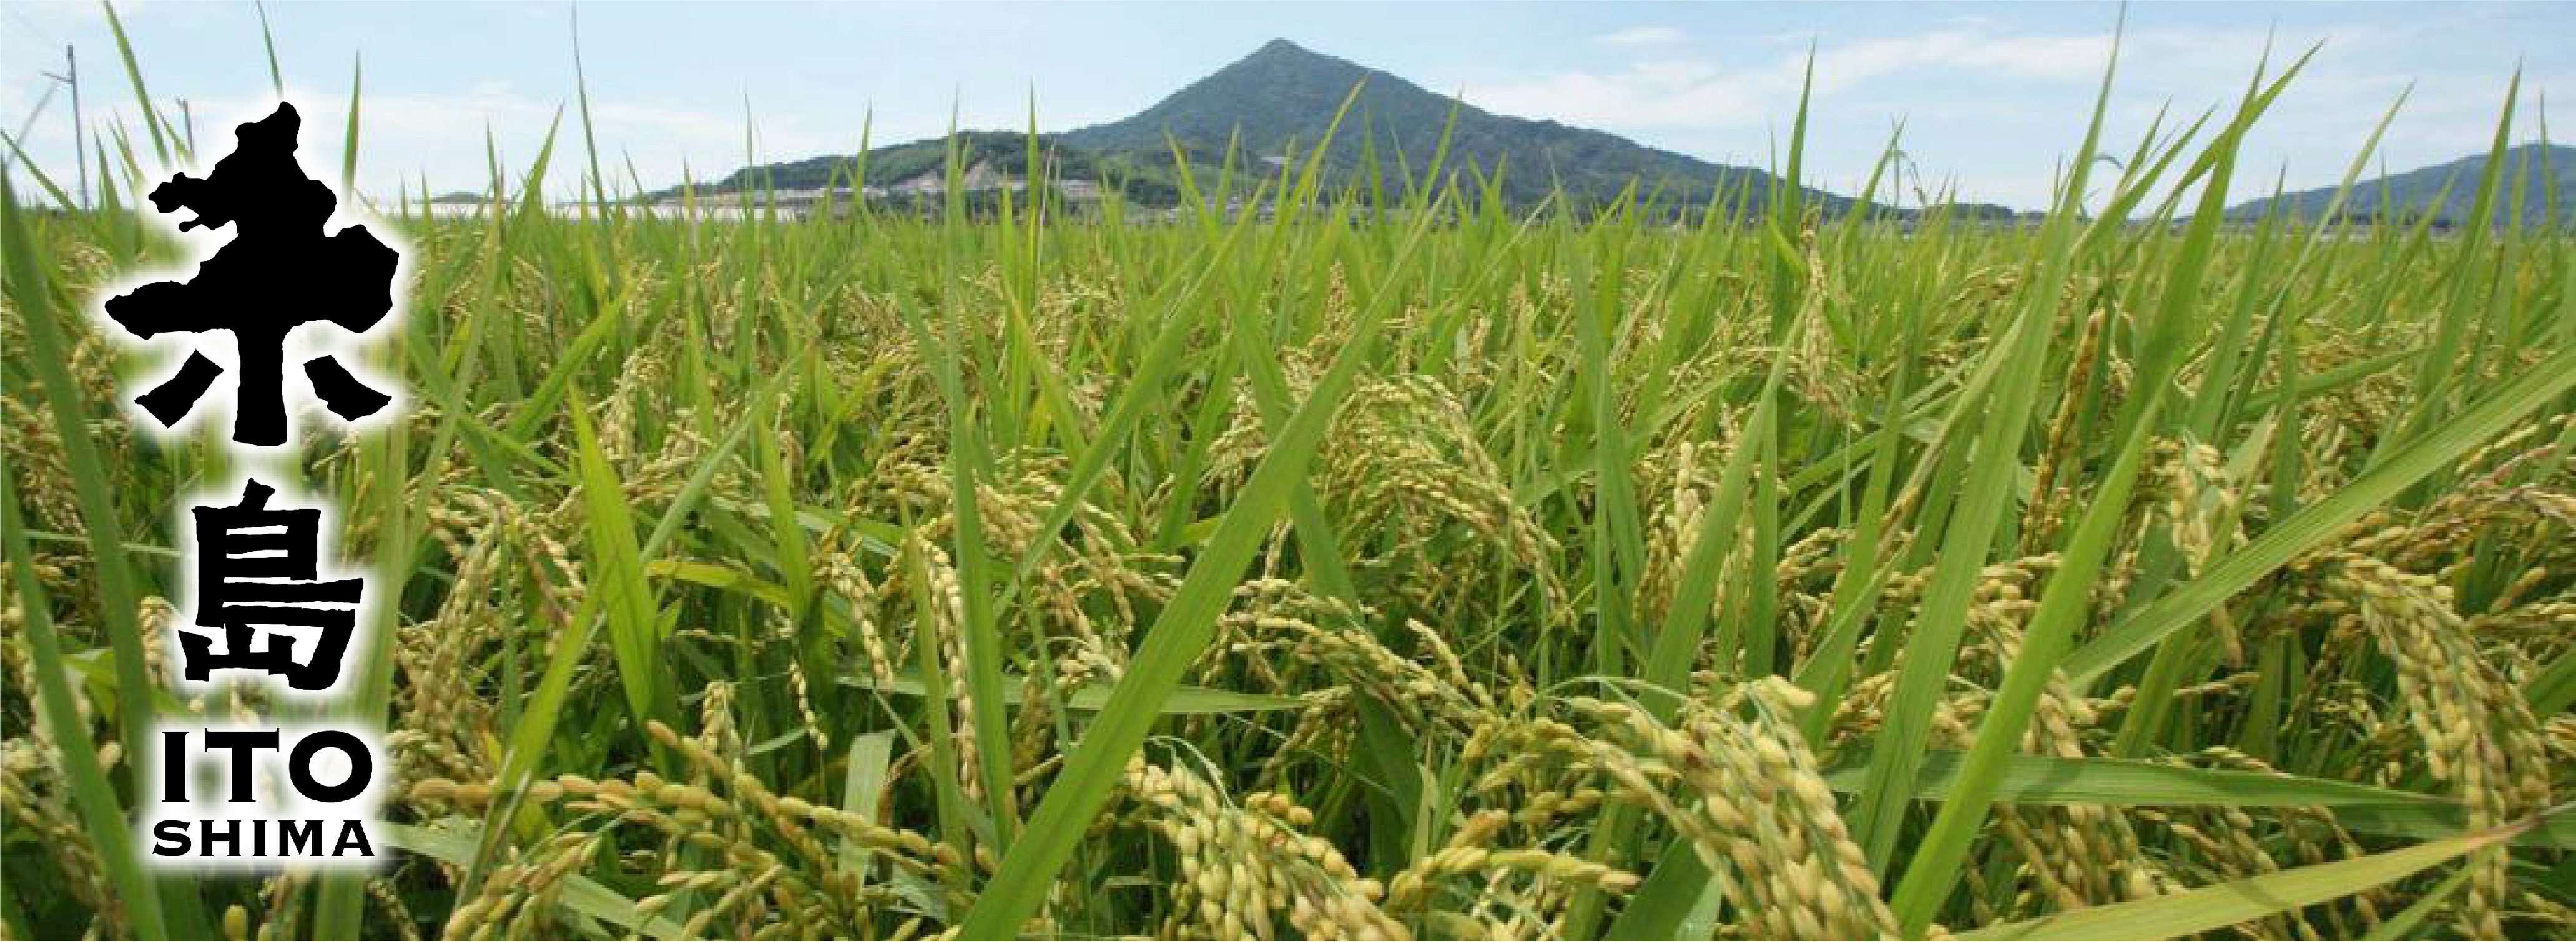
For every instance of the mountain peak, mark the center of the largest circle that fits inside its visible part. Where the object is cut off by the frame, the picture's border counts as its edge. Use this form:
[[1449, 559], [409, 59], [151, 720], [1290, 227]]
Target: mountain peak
[[1281, 53], [1280, 59], [1279, 92]]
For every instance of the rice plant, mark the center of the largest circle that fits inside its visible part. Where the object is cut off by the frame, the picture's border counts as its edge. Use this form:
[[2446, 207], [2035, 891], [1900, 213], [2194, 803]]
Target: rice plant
[[1384, 565]]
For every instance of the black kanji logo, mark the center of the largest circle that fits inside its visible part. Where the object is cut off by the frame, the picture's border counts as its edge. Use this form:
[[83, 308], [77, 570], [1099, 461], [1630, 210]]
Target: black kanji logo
[[258, 567], [278, 273]]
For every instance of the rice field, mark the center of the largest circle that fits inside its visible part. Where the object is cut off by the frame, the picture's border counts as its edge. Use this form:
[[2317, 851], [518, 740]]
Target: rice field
[[1378, 567]]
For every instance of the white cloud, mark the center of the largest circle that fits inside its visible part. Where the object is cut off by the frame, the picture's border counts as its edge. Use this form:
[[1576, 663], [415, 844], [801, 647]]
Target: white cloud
[[1994, 108], [1967, 50], [1642, 36], [1665, 92], [405, 136]]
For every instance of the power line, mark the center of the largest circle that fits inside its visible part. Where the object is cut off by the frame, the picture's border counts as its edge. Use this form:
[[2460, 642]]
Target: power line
[[28, 27]]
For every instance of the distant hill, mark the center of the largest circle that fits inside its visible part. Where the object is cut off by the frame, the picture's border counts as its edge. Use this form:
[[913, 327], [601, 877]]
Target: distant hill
[[919, 168], [1979, 212], [1284, 96], [2445, 190]]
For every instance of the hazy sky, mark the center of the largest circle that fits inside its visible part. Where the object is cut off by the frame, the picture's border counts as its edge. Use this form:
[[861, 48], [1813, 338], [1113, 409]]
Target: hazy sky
[[1992, 95]]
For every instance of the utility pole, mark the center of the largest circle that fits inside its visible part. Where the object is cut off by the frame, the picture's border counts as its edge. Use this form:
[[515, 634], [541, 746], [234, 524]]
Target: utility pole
[[80, 125], [80, 132]]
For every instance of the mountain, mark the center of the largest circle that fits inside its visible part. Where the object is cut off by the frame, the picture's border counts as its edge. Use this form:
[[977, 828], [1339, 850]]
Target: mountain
[[1275, 104], [1283, 95], [2446, 190]]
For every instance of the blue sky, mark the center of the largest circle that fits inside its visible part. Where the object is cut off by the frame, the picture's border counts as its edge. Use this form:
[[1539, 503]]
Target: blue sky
[[1993, 94]]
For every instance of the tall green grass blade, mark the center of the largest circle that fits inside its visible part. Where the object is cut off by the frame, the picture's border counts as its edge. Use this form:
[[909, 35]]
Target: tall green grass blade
[[2227, 904], [268, 44], [2123, 783], [152, 120], [634, 620], [349, 135]]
